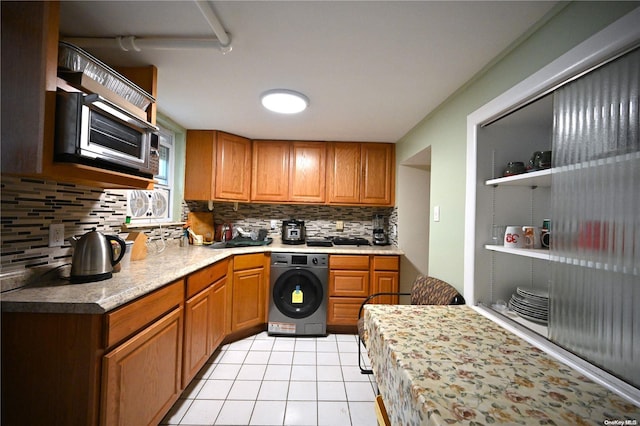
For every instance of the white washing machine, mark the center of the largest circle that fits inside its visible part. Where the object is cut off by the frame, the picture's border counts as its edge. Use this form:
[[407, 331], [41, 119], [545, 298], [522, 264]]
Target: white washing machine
[[298, 294]]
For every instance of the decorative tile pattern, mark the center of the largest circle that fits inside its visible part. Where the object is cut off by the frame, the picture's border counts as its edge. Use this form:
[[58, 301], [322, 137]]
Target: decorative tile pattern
[[29, 206], [438, 365], [320, 221]]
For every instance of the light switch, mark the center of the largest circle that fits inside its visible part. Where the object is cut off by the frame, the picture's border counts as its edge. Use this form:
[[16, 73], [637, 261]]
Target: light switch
[[436, 214]]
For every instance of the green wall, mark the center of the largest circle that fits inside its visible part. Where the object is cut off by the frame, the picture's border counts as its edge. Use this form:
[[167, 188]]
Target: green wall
[[445, 129]]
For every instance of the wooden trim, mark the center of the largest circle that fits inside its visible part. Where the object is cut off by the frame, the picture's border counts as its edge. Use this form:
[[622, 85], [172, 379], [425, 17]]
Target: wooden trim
[[381, 412]]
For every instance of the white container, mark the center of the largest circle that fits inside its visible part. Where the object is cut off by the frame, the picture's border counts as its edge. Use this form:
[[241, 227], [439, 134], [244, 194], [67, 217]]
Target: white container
[[126, 259], [514, 237]]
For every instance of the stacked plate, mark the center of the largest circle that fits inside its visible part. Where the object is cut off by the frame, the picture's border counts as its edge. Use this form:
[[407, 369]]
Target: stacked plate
[[531, 304]]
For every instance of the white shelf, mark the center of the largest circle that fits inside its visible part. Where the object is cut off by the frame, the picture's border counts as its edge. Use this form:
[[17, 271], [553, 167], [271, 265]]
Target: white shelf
[[539, 328], [535, 253], [537, 178]]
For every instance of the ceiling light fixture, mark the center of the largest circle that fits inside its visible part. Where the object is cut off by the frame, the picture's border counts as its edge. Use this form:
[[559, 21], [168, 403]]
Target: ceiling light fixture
[[284, 101]]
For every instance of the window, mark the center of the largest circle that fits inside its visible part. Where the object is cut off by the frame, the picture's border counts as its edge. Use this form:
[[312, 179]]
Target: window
[[164, 178]]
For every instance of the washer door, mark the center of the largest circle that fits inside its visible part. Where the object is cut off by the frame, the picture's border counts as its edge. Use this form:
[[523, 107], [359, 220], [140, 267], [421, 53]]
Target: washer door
[[297, 293]]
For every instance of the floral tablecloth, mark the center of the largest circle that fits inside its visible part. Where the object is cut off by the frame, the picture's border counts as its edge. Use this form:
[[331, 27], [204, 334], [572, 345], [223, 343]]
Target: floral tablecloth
[[440, 365]]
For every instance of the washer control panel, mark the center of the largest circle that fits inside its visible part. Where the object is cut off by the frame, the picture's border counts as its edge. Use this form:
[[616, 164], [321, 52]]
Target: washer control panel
[[299, 259]]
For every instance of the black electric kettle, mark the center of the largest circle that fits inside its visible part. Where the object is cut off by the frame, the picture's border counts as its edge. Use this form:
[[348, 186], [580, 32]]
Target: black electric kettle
[[93, 258]]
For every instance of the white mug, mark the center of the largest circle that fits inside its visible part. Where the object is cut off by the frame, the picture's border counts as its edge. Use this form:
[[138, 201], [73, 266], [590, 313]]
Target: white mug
[[531, 236], [514, 237]]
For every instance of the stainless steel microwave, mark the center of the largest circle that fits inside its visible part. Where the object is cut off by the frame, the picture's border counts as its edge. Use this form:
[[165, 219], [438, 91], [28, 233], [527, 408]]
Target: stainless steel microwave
[[92, 130]]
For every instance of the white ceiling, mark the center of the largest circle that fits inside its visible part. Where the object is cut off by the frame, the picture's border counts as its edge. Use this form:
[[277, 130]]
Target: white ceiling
[[372, 70]]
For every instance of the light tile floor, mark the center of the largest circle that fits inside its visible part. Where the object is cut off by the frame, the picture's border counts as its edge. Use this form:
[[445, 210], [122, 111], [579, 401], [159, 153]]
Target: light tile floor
[[267, 380]]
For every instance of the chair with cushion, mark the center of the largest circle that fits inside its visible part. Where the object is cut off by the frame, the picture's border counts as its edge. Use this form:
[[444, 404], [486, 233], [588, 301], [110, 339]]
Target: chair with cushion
[[425, 291]]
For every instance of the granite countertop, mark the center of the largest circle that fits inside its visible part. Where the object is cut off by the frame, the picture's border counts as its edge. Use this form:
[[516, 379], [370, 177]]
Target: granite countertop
[[57, 295]]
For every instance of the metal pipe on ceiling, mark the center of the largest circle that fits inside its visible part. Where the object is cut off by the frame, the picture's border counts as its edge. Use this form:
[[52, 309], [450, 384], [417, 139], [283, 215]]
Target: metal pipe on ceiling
[[213, 21], [137, 44]]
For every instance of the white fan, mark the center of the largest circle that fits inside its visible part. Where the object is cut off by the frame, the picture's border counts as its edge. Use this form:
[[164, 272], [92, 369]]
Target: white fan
[[159, 204], [138, 203], [145, 205]]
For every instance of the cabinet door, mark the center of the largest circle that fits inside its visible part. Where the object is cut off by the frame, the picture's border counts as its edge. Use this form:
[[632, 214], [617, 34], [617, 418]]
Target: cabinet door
[[248, 301], [377, 174], [220, 318], [343, 174], [343, 310], [233, 167], [270, 171], [199, 169], [385, 282], [141, 377], [307, 172], [198, 333]]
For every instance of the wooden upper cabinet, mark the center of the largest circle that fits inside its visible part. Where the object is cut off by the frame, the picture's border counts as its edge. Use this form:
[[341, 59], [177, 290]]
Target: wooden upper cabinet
[[361, 173], [233, 167], [218, 166], [200, 161], [29, 82], [378, 165], [270, 171], [288, 172], [343, 174], [307, 172]]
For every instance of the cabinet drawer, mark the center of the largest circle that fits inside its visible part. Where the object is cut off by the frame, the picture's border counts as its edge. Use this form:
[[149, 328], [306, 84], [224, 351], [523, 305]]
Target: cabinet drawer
[[203, 278], [141, 377], [343, 310], [386, 263], [360, 262], [130, 318], [349, 283], [248, 261]]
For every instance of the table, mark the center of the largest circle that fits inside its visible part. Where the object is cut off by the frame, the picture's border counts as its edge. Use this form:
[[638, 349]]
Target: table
[[441, 365]]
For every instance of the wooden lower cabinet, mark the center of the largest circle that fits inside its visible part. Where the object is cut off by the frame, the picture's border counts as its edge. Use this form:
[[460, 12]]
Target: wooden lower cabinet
[[198, 333], [352, 278], [51, 368], [386, 278], [206, 317], [343, 310], [248, 302], [220, 315], [205, 327], [142, 377]]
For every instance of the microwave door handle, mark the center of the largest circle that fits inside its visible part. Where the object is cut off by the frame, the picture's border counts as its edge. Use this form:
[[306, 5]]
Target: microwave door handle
[[112, 108]]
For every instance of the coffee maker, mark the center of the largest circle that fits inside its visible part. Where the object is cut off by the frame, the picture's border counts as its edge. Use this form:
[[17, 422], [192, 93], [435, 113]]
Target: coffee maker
[[379, 231]]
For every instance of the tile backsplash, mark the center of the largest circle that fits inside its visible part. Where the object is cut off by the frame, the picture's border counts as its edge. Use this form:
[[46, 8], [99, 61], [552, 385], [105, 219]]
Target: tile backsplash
[[320, 221], [29, 206]]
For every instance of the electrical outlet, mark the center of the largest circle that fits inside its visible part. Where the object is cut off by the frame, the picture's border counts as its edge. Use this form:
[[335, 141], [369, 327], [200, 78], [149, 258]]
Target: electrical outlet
[[339, 225], [274, 224], [56, 235]]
